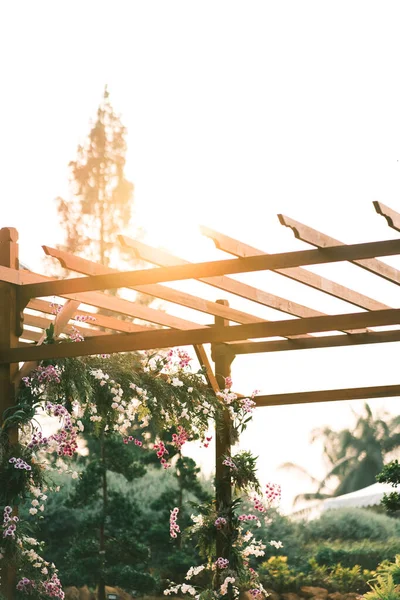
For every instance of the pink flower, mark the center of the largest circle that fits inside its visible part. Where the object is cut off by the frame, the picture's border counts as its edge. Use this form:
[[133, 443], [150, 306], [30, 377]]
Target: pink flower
[[173, 525]]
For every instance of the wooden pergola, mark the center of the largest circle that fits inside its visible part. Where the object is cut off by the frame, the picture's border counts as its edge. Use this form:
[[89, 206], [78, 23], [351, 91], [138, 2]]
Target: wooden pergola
[[25, 311]]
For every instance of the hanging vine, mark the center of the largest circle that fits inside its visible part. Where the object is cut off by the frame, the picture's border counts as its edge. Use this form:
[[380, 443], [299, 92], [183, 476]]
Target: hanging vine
[[154, 401]]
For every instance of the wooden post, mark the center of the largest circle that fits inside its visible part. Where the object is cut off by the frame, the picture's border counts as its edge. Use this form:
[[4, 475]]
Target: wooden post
[[8, 339], [223, 357]]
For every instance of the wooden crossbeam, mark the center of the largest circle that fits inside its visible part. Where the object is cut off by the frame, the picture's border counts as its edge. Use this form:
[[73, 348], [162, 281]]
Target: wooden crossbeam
[[209, 269], [326, 341], [322, 241], [392, 217], [111, 323], [241, 250], [363, 393], [106, 301], [170, 338], [87, 267], [162, 258]]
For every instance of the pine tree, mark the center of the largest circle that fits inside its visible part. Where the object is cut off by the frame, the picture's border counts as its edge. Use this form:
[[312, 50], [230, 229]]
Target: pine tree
[[101, 206]]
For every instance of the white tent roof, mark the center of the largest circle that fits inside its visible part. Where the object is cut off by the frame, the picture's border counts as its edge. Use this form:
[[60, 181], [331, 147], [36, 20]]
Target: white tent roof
[[369, 496]]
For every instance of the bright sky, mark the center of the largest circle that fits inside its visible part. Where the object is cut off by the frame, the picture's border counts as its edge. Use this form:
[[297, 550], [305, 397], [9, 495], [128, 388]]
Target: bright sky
[[235, 111]]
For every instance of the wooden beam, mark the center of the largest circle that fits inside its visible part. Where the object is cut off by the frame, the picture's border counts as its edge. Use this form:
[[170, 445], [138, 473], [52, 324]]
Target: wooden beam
[[87, 267], [162, 258], [8, 340], [111, 323], [392, 217], [363, 393], [322, 241], [108, 302], [204, 362], [209, 269], [170, 338], [326, 341], [223, 443], [308, 278]]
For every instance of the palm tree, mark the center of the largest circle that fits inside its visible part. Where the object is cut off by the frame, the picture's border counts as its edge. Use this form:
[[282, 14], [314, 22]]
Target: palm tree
[[355, 457]]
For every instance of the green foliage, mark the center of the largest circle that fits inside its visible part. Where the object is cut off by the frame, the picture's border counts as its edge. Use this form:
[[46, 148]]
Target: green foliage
[[391, 568], [244, 475], [365, 553], [391, 474], [351, 524], [383, 589], [278, 575]]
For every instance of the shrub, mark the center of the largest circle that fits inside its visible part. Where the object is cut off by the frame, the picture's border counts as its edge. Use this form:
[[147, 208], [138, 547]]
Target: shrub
[[276, 574], [352, 524], [366, 554], [383, 589]]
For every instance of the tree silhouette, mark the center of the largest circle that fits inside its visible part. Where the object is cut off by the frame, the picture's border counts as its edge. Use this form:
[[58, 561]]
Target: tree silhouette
[[355, 457], [102, 198]]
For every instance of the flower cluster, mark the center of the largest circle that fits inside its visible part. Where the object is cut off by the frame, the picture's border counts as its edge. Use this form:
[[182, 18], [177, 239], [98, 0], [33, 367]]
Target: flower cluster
[[228, 462], [20, 464], [248, 518], [178, 439], [9, 523], [273, 492], [64, 442], [223, 590], [161, 450], [256, 548], [276, 544], [193, 571], [177, 357], [183, 587], [130, 438], [84, 318], [53, 587], [258, 503], [173, 525], [48, 374], [221, 563], [25, 585], [220, 522]]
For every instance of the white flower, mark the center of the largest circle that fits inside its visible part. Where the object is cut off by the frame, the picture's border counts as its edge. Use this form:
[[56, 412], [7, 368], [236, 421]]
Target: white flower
[[44, 497], [190, 390], [75, 475], [45, 570], [80, 426], [41, 508], [37, 565], [114, 405], [35, 502], [176, 382], [276, 544], [33, 511], [102, 383]]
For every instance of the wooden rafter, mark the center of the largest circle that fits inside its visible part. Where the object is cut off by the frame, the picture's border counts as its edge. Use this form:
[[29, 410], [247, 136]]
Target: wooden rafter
[[162, 258], [236, 248], [210, 269], [322, 241], [392, 217], [169, 338], [104, 301], [363, 393], [111, 323], [86, 267], [326, 341]]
